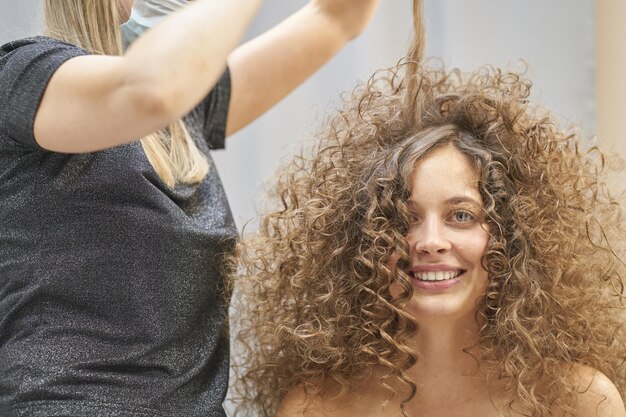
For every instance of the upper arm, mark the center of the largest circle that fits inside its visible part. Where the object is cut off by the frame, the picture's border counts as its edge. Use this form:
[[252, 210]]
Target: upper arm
[[270, 66], [598, 396], [91, 103]]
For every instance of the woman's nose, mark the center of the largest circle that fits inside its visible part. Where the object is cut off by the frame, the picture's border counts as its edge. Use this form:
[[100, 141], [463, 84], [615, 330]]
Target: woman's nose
[[430, 239]]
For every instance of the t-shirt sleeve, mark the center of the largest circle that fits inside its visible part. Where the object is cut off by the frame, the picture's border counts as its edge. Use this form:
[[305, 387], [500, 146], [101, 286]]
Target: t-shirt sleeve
[[213, 112], [25, 71]]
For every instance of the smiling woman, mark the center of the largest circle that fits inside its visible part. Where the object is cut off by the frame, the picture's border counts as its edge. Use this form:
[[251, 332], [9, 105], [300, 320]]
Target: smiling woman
[[444, 249]]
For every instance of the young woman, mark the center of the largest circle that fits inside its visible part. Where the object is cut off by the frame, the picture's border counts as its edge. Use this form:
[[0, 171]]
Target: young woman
[[444, 249], [110, 246]]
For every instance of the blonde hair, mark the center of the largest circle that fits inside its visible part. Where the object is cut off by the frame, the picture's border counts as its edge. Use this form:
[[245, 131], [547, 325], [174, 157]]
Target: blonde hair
[[94, 25]]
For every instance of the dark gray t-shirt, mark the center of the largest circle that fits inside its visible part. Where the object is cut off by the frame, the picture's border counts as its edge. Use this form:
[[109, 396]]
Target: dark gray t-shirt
[[110, 291]]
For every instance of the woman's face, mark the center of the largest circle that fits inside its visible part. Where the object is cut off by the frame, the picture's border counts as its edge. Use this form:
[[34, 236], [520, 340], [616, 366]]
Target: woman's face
[[447, 237]]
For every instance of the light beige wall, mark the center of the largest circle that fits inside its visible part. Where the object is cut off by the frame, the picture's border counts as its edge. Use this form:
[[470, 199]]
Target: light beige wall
[[611, 78]]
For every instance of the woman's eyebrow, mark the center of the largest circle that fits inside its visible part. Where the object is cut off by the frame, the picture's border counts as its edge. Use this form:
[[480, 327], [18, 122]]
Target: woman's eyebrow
[[453, 201], [458, 200]]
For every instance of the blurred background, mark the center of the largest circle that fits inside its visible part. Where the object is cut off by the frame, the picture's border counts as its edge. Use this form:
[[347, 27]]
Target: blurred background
[[571, 47]]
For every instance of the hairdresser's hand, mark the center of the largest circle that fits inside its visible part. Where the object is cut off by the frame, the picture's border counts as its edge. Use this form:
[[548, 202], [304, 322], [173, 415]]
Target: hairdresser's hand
[[351, 16]]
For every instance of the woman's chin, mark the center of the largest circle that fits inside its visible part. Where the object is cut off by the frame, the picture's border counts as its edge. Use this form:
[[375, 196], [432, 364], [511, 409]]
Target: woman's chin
[[439, 308]]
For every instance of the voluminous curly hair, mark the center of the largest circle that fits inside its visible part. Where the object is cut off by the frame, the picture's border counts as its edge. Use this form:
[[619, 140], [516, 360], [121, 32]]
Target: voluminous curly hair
[[312, 287]]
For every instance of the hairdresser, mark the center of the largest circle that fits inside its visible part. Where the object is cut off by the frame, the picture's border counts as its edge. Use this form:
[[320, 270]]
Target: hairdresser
[[113, 220]]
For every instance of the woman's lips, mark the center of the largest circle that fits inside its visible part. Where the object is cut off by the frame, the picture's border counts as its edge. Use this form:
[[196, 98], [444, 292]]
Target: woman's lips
[[436, 280]]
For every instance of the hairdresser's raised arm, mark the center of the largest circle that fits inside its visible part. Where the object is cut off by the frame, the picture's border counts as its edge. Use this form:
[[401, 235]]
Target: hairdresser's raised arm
[[270, 66], [96, 102]]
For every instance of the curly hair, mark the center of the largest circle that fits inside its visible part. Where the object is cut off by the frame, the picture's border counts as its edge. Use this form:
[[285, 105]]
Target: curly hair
[[313, 301]]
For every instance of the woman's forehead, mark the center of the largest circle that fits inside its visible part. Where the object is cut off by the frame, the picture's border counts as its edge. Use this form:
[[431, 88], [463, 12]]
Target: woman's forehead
[[446, 175]]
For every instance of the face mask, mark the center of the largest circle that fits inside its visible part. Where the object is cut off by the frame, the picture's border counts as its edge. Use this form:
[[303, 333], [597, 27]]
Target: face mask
[[130, 31], [146, 14]]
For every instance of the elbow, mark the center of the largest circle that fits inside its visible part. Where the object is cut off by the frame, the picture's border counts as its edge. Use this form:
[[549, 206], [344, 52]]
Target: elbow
[[148, 95], [155, 102]]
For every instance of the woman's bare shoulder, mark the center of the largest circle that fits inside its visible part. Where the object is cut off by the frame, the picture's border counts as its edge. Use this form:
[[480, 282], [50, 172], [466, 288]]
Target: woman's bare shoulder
[[362, 402], [597, 394], [300, 403], [294, 404]]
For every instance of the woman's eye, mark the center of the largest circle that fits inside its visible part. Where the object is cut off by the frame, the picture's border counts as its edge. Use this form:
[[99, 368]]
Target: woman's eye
[[463, 217]]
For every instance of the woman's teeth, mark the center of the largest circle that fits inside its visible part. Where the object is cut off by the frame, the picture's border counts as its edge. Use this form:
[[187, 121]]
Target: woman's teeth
[[436, 276]]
